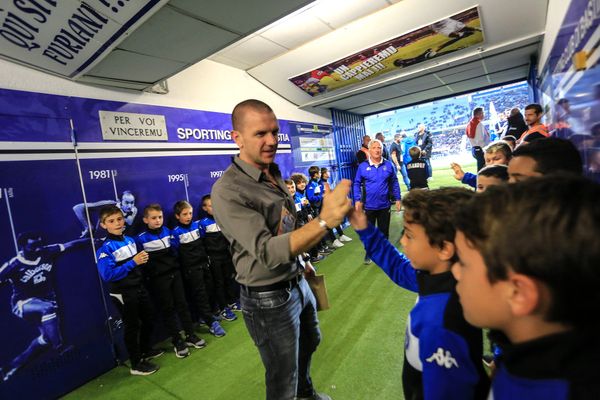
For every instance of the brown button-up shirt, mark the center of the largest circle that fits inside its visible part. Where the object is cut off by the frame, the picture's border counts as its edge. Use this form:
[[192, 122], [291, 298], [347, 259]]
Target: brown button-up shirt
[[257, 218]]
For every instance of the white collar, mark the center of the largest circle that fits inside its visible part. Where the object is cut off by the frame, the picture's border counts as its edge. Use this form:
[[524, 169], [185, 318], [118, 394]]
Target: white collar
[[372, 164]]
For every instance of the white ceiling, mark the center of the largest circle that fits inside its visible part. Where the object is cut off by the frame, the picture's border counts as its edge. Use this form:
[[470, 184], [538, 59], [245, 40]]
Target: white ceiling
[[184, 32], [513, 30], [274, 40], [296, 29]]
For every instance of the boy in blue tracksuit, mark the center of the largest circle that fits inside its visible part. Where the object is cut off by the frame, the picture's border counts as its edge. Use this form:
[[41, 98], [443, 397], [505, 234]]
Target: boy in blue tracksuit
[[304, 210], [497, 153], [442, 357], [538, 295], [325, 184], [164, 279], [187, 242], [305, 213], [120, 264], [221, 263], [315, 189]]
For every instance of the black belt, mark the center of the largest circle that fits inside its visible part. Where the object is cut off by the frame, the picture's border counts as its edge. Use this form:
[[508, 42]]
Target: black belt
[[290, 284]]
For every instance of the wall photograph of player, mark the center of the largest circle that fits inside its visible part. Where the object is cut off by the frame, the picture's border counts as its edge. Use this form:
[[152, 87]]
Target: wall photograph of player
[[30, 274], [126, 203], [439, 38], [52, 312]]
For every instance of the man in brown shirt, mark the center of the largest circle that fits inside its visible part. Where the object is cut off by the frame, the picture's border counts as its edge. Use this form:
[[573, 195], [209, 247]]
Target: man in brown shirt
[[252, 206]]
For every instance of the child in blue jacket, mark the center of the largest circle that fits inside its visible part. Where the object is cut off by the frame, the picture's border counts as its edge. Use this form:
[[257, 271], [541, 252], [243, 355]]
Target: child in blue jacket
[[442, 357]]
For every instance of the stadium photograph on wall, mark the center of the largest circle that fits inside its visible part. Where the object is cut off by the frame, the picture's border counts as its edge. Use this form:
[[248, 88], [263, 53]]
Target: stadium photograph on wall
[[442, 37]]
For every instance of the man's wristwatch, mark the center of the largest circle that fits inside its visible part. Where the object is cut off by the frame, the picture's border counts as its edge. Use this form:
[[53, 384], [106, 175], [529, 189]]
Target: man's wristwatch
[[322, 223]]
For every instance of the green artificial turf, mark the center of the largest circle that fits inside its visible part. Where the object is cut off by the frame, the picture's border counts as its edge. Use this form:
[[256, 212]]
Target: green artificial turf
[[444, 176], [360, 356]]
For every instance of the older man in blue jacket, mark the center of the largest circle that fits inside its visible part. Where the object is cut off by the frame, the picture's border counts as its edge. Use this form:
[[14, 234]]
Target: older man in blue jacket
[[375, 184]]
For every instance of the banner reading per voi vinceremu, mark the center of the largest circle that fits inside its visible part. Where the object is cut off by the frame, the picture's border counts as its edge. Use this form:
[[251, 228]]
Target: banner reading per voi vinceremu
[[131, 126]]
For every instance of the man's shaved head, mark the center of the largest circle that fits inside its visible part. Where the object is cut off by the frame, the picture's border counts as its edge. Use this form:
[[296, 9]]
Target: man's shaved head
[[237, 119]]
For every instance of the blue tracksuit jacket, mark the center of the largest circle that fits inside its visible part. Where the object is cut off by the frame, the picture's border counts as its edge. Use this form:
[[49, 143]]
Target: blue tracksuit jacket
[[162, 259], [378, 183], [470, 179], [442, 357], [116, 265], [562, 366], [314, 193]]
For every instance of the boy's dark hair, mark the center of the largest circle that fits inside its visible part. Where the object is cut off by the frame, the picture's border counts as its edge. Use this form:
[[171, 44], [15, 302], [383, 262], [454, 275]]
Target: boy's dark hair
[[535, 107], [477, 110], [289, 182], [433, 210], [552, 155], [495, 171], [180, 206], [152, 207], [323, 170], [414, 152], [298, 177], [312, 171], [558, 216], [108, 210], [204, 198], [499, 147]]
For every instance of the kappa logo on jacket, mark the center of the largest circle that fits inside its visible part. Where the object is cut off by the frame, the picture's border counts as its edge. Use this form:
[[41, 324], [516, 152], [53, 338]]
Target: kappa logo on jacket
[[443, 359]]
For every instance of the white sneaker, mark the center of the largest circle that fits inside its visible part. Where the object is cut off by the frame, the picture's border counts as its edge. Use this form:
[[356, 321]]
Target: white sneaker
[[337, 244], [345, 238]]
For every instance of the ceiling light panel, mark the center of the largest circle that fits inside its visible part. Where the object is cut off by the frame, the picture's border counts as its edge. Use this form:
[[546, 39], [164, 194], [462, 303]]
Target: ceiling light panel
[[296, 31], [337, 13], [254, 51]]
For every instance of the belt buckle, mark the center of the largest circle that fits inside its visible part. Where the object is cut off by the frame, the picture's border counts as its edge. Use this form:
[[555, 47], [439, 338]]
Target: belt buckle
[[296, 280], [292, 283]]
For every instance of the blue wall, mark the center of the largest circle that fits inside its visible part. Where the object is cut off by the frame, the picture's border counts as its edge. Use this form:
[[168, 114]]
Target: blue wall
[[53, 158], [579, 121]]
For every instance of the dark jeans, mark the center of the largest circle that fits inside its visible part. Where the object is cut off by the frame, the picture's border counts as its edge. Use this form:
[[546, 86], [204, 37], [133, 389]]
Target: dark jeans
[[168, 294], [283, 325], [477, 153], [381, 218], [138, 315]]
